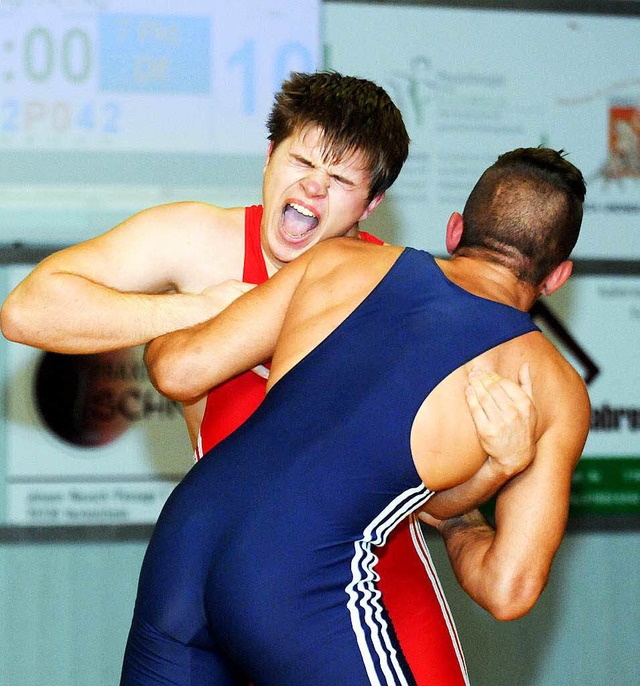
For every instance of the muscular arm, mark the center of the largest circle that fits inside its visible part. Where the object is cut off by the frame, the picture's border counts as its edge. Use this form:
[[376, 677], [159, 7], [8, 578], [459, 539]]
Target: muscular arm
[[504, 569], [116, 290], [185, 364]]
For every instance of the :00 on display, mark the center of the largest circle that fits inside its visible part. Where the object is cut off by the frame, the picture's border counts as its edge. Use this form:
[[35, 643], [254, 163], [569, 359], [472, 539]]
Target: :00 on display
[[43, 54]]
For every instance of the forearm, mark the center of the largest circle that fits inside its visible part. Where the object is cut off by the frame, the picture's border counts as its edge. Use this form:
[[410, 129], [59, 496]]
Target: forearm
[[71, 314], [489, 573], [457, 500], [468, 539], [185, 364]]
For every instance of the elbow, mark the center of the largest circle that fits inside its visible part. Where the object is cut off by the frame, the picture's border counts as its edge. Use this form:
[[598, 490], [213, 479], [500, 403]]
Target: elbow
[[27, 315], [172, 384], [13, 322], [171, 376], [514, 595]]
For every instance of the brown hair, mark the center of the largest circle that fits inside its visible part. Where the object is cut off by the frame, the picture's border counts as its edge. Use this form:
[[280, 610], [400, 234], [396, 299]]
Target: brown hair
[[525, 212], [355, 116]]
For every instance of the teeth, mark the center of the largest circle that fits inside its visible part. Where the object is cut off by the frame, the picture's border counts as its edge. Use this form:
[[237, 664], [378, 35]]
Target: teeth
[[302, 210]]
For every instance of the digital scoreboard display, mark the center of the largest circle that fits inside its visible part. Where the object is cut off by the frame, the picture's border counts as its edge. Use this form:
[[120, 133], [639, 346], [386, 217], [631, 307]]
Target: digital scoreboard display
[[127, 75]]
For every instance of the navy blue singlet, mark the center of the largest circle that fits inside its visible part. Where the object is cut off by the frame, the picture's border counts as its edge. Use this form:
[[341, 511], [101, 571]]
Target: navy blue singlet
[[262, 563]]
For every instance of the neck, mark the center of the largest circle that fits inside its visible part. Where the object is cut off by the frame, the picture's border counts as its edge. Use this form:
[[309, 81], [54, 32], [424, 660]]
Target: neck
[[490, 280], [271, 263]]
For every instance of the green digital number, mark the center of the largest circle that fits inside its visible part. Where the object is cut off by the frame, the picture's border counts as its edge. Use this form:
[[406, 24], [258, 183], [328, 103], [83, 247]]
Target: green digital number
[[42, 55]]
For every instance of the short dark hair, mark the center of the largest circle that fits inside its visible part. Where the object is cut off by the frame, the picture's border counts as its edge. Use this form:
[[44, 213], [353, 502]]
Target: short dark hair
[[525, 212], [355, 116]]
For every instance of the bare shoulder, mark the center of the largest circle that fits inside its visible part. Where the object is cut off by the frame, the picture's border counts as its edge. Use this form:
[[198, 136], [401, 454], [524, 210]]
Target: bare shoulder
[[173, 225], [351, 253], [194, 221], [559, 391], [336, 275], [200, 243], [185, 246], [570, 387], [352, 246]]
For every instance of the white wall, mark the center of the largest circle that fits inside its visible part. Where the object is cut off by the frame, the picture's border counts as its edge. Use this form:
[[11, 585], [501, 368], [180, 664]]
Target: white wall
[[65, 606]]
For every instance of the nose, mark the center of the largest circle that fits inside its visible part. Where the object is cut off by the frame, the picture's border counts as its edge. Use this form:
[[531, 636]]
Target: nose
[[316, 183]]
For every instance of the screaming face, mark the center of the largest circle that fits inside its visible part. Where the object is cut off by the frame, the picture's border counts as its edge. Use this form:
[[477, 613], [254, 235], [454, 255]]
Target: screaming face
[[298, 221], [307, 199]]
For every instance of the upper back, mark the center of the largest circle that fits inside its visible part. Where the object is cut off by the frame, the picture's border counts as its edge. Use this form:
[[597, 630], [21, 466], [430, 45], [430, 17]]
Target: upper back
[[397, 313], [387, 318], [338, 276]]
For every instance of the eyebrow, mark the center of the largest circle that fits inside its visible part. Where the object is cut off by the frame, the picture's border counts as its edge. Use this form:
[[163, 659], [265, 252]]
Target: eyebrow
[[338, 177], [301, 158], [343, 179]]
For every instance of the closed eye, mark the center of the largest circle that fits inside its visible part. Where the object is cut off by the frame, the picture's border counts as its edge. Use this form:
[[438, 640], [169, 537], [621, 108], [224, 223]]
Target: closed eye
[[302, 161], [343, 181], [338, 178]]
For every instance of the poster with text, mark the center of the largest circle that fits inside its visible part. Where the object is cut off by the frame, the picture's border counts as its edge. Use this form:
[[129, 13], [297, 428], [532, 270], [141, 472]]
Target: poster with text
[[474, 83], [87, 439]]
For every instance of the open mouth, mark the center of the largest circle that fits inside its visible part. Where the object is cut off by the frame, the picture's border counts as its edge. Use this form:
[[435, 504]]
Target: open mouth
[[298, 221]]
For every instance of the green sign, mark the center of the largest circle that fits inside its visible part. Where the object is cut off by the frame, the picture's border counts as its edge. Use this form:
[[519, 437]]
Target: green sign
[[606, 485]]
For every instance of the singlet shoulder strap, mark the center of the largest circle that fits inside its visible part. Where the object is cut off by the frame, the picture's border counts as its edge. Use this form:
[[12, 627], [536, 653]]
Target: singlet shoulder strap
[[370, 238], [255, 269]]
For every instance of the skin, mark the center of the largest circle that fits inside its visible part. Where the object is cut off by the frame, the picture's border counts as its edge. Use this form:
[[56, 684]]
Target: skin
[[195, 267], [195, 272], [336, 194], [503, 569]]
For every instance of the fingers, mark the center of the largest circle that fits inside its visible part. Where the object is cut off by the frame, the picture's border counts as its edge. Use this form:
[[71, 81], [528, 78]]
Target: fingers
[[472, 392], [493, 390], [496, 402], [220, 296], [481, 405], [504, 415], [524, 378], [246, 287], [429, 519], [483, 393]]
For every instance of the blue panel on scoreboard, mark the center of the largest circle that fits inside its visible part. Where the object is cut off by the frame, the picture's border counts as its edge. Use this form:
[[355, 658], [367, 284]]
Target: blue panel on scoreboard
[[142, 53]]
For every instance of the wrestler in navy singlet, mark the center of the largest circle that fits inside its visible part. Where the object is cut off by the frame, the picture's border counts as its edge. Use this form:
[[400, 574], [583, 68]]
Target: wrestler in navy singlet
[[273, 578]]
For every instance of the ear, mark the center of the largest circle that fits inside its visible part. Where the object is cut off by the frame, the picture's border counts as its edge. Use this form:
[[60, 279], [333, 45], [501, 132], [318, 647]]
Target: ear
[[371, 206], [269, 151], [454, 232], [557, 277]]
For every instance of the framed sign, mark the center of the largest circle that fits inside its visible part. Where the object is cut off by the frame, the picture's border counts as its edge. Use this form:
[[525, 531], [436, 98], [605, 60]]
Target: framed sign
[[594, 321], [87, 440]]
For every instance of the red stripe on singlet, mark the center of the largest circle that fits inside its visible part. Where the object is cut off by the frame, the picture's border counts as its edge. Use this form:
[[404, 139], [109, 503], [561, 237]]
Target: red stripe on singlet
[[418, 610]]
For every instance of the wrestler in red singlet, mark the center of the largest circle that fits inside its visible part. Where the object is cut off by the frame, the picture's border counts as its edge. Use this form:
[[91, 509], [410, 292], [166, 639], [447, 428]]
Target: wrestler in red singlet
[[411, 592], [230, 404]]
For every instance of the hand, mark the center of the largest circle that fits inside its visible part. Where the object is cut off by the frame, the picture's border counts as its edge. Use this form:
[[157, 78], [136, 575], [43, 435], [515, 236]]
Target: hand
[[223, 294], [505, 418]]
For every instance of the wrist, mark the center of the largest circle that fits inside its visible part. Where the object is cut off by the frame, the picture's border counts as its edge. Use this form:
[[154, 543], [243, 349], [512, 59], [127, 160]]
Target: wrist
[[503, 471], [499, 473]]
